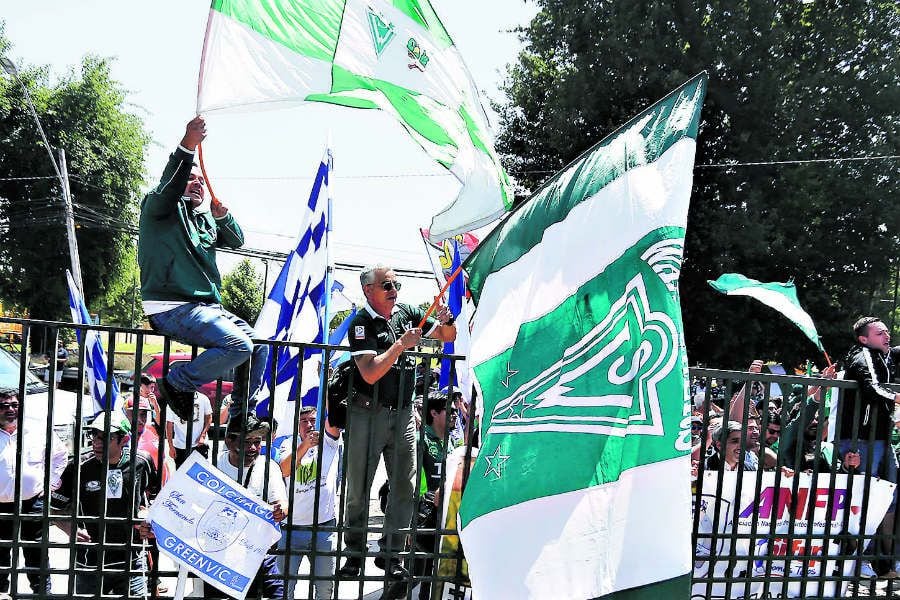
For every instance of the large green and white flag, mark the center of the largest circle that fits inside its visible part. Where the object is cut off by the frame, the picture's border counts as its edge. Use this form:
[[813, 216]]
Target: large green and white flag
[[393, 55], [780, 296], [581, 487]]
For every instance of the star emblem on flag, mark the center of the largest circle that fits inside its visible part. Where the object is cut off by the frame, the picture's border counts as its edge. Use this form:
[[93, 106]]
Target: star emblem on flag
[[496, 462], [509, 375]]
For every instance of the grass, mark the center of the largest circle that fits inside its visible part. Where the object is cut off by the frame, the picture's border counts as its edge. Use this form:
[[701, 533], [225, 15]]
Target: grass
[[125, 349]]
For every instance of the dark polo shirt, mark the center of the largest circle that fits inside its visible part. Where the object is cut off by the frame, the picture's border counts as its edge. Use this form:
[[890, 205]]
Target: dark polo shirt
[[370, 333]]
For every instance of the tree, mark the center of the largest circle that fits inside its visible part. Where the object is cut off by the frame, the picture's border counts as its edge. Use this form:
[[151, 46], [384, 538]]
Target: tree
[[787, 81], [84, 113], [242, 291], [122, 303]]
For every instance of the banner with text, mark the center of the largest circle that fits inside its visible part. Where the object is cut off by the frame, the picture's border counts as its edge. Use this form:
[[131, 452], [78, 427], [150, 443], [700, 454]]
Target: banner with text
[[792, 529], [215, 527]]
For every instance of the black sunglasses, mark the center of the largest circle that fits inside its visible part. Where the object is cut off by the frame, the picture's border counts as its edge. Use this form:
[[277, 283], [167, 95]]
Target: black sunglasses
[[389, 285], [5, 405]]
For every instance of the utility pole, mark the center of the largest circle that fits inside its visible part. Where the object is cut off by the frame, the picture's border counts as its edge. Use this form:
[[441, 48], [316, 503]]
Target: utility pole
[[70, 221], [11, 69]]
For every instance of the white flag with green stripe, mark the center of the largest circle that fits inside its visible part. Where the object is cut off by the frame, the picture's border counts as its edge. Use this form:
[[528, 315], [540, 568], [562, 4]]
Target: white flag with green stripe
[[780, 296], [393, 55], [581, 488]]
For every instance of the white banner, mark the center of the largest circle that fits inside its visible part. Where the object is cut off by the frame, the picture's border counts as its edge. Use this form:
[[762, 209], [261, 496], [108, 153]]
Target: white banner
[[216, 528], [770, 514]]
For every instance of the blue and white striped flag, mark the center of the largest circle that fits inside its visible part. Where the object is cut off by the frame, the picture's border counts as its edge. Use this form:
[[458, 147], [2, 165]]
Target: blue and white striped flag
[[456, 295], [94, 355], [292, 311]]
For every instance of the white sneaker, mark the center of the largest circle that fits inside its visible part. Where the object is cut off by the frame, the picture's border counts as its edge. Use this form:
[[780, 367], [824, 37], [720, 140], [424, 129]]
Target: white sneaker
[[867, 571]]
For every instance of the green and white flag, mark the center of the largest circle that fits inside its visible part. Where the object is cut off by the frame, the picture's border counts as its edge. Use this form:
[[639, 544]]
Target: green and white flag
[[393, 55], [780, 296], [581, 486]]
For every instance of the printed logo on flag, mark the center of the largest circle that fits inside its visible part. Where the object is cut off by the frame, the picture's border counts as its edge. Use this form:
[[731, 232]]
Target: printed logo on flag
[[359, 332], [382, 32], [219, 526], [417, 55], [634, 347]]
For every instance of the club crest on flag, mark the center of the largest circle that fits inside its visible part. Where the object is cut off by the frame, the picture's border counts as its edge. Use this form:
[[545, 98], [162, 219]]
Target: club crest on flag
[[382, 31], [220, 526], [634, 347], [418, 56]]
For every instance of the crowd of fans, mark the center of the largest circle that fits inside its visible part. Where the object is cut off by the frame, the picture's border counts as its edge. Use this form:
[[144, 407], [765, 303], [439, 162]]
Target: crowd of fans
[[104, 494], [756, 424]]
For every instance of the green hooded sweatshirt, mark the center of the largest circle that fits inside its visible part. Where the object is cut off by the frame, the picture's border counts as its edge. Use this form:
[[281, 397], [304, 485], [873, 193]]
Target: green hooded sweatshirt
[[176, 246]]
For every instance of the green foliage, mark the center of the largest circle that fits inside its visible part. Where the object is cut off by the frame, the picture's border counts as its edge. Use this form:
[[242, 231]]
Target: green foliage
[[122, 304], [337, 319], [787, 81], [242, 292], [85, 113]]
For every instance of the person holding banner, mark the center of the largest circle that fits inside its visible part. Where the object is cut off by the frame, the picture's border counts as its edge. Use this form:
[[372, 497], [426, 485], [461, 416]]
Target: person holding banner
[[179, 232], [110, 485], [382, 411], [315, 480], [243, 462]]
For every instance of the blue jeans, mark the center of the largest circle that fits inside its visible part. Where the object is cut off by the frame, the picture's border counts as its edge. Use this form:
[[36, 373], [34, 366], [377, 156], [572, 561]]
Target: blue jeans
[[227, 340], [881, 453], [322, 566]]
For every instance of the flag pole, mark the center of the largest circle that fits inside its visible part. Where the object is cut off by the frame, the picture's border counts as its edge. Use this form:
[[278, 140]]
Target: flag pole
[[440, 295], [213, 199], [329, 281], [182, 583], [434, 268]]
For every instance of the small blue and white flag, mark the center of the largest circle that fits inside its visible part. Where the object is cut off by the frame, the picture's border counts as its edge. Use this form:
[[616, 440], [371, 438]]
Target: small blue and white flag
[[456, 295], [94, 354], [458, 305], [293, 310]]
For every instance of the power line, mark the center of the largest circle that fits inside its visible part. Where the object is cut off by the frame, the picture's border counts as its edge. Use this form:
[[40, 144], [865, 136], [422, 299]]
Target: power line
[[798, 162], [28, 178]]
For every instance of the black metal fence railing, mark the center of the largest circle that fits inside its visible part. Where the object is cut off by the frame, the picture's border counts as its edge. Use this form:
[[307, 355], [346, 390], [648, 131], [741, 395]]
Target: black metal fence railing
[[63, 509], [785, 503]]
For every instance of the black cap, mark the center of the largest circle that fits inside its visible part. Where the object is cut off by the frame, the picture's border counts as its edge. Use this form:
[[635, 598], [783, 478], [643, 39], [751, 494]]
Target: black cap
[[251, 424]]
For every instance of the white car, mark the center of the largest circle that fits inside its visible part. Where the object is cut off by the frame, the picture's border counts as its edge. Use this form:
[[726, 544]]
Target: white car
[[36, 404]]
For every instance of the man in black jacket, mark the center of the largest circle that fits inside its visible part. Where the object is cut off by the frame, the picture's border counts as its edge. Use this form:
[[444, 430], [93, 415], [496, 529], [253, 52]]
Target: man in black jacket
[[865, 415]]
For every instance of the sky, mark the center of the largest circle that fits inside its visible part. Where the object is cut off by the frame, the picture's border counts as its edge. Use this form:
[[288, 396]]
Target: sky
[[261, 163]]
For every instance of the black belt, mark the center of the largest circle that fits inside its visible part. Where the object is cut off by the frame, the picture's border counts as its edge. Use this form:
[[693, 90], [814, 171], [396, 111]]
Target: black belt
[[367, 402]]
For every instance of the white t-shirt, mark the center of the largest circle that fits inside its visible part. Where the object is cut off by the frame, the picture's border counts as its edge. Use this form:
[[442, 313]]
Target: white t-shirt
[[253, 477], [202, 408], [305, 481]]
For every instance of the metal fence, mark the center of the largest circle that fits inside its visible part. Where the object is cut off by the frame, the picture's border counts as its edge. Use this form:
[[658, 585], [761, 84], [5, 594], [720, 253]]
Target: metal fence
[[795, 521], [799, 521], [51, 557]]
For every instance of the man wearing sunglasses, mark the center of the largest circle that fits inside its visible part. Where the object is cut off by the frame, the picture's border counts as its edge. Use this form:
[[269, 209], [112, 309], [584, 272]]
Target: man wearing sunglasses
[[30, 444], [381, 410]]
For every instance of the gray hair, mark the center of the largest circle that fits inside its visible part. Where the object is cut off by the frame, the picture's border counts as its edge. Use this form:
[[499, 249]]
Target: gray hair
[[367, 275], [727, 428]]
